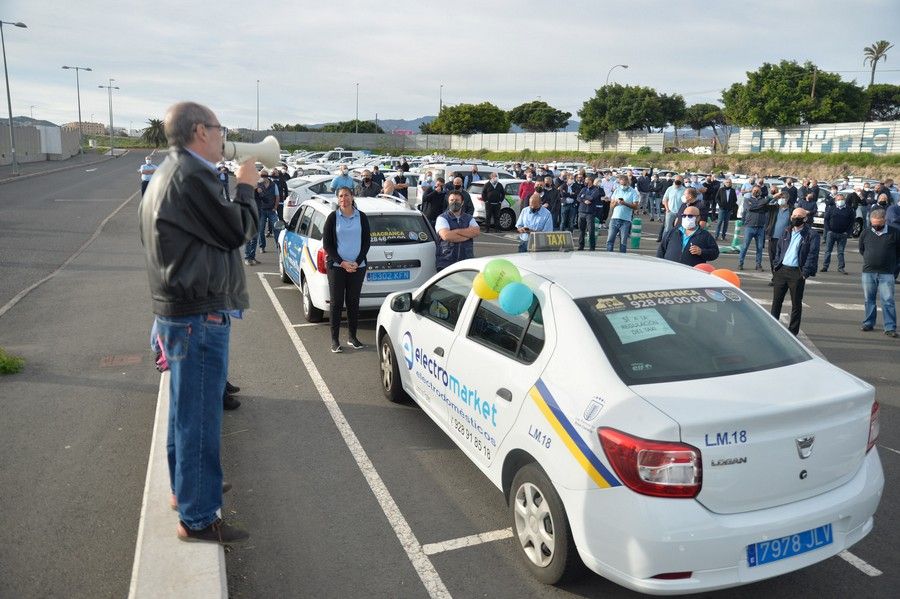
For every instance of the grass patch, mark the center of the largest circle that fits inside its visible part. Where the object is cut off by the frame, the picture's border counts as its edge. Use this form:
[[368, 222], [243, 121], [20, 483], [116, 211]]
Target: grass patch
[[10, 364], [102, 142]]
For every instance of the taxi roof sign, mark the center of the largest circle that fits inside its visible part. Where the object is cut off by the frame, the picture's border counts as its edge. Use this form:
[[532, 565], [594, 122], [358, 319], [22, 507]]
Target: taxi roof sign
[[551, 241]]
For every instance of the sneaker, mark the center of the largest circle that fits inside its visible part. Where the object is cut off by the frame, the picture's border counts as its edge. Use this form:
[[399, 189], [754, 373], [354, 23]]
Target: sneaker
[[263, 250], [842, 271], [740, 267], [217, 532], [229, 402], [249, 261], [336, 347], [864, 328], [229, 388], [891, 333], [355, 343], [823, 270], [759, 267]]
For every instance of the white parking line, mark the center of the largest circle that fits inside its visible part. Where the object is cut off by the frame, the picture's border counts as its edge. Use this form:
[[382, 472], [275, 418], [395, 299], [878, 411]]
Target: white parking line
[[768, 302], [326, 323], [423, 566], [854, 307], [889, 448], [859, 564], [470, 541]]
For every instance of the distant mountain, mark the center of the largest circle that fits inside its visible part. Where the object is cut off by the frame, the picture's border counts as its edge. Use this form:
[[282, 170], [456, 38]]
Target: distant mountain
[[413, 125], [26, 121]]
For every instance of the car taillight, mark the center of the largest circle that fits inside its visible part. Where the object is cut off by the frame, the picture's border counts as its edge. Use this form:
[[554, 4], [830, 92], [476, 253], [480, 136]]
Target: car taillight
[[874, 426], [656, 468], [320, 261]]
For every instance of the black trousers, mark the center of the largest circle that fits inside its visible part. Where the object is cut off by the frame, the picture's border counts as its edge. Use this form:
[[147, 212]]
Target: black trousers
[[344, 288], [492, 215], [586, 223], [144, 185], [789, 278]]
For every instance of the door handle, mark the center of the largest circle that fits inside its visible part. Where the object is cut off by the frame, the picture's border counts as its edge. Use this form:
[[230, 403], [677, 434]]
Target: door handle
[[504, 393], [439, 351]]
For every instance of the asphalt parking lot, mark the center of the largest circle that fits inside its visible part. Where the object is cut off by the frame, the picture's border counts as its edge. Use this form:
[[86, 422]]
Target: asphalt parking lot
[[397, 499]]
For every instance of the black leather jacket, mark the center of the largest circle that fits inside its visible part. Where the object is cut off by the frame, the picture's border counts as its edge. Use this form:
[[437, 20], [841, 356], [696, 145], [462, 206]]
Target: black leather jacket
[[192, 237]]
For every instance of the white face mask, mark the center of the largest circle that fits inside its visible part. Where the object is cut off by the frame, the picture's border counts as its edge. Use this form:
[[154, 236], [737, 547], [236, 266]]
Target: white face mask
[[689, 222], [782, 201], [840, 204]]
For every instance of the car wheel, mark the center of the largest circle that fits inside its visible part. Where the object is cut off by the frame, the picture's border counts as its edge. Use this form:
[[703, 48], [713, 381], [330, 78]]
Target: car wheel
[[507, 219], [540, 525], [857, 227], [390, 372], [285, 278], [310, 312]]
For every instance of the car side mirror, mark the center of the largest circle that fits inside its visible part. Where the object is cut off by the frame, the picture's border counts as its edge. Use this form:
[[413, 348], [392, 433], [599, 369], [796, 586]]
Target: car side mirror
[[402, 302]]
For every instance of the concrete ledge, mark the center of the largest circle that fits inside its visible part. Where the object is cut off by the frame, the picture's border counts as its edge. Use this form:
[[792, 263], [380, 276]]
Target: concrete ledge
[[163, 565]]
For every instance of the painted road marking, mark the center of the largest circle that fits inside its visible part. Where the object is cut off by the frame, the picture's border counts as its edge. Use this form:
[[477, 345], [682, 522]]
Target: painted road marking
[[889, 448], [854, 307], [859, 564], [768, 302], [84, 200], [423, 566], [90, 170], [470, 541]]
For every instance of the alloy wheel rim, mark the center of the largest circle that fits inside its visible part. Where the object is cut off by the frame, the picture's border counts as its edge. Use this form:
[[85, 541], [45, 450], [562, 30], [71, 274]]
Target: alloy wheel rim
[[387, 366], [534, 525]]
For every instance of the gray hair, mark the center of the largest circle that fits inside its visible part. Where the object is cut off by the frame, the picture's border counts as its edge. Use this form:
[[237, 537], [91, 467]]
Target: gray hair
[[877, 213], [182, 118]]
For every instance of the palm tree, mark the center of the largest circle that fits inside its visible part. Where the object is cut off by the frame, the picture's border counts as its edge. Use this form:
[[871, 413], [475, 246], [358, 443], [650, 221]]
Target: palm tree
[[874, 53], [155, 133]]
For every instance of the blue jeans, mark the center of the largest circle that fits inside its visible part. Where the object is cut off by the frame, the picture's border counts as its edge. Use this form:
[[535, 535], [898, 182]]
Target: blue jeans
[[655, 206], [523, 246], [618, 226], [883, 283], [832, 238], [750, 233], [723, 215], [196, 348], [567, 215], [270, 217]]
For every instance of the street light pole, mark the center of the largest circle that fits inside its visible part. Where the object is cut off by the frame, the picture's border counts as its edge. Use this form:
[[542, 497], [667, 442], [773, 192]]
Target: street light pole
[[109, 89], [441, 99], [32, 111], [78, 91], [357, 107], [624, 66], [12, 137], [257, 111]]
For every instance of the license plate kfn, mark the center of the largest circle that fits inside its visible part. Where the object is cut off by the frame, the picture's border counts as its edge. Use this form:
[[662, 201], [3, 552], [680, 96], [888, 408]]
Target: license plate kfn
[[766, 552], [387, 275]]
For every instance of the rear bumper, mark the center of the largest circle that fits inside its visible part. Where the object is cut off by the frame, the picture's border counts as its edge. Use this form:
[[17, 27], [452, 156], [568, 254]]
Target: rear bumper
[[650, 536]]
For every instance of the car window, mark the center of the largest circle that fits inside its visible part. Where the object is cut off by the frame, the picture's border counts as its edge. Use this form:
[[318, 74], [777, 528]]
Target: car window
[[292, 226], [476, 187], [303, 225], [443, 301], [687, 334], [399, 228], [518, 336], [318, 224], [320, 188], [512, 188]]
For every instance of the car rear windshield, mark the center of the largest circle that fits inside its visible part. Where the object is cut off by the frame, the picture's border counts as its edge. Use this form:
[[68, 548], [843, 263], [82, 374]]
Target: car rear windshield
[[685, 334], [392, 229]]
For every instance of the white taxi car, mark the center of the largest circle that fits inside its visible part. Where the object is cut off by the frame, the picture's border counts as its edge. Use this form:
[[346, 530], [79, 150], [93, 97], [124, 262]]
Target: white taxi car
[[642, 416], [401, 255]]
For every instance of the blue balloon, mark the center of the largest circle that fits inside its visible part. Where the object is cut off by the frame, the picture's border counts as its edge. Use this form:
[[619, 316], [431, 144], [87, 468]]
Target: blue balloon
[[515, 298]]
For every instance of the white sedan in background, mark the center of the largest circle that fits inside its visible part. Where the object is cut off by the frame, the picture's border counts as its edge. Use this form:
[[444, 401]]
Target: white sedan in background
[[643, 417]]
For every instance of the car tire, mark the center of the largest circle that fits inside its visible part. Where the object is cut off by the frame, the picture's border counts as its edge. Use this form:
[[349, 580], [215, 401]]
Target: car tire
[[541, 528], [285, 278], [857, 227], [310, 312], [507, 219], [390, 371]]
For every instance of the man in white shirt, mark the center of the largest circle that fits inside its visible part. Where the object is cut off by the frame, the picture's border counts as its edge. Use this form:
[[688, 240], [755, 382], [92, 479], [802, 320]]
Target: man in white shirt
[[533, 218], [147, 169]]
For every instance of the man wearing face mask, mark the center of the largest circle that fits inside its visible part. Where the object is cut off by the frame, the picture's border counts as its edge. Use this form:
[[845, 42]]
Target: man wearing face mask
[[756, 208], [672, 201], [780, 222], [550, 200], [367, 188], [400, 184], [692, 197], [688, 244], [472, 177], [456, 229], [880, 248], [809, 204], [534, 218], [434, 202], [838, 224], [588, 199], [569, 204], [377, 176], [796, 259], [494, 196], [526, 188], [342, 180], [625, 199], [726, 202], [790, 191], [468, 206]]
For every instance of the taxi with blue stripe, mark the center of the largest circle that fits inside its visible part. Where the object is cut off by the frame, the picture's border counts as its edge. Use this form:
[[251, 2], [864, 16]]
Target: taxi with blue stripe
[[401, 255], [644, 418]]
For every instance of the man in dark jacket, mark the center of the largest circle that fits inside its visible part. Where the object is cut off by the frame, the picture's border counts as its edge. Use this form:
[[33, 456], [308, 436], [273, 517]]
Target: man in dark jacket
[[588, 201], [879, 245], [494, 197], [710, 191], [691, 199], [756, 209], [688, 243], [726, 204], [790, 191], [810, 205], [192, 237], [266, 201], [839, 221], [367, 188], [643, 185], [568, 193], [796, 260], [434, 202], [550, 200]]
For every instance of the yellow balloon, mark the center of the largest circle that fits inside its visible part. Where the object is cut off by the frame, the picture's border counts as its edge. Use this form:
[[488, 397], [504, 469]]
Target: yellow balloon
[[480, 286]]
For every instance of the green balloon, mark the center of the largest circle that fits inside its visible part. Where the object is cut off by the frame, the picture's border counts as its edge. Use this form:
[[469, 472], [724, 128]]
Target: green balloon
[[499, 273]]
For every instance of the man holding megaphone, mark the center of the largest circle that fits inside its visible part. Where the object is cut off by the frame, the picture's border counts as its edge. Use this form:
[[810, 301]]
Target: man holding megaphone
[[192, 237]]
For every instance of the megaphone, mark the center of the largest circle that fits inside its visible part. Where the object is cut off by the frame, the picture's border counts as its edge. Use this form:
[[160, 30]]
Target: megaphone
[[267, 151]]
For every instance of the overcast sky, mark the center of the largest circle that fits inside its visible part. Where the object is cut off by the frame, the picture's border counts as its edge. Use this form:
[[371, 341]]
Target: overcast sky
[[309, 55]]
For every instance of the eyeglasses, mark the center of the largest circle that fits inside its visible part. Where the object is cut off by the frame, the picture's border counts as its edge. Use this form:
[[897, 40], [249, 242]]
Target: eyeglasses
[[215, 126]]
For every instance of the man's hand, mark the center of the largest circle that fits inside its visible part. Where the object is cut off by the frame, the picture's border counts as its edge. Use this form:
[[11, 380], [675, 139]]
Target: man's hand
[[695, 250], [349, 266], [246, 173]]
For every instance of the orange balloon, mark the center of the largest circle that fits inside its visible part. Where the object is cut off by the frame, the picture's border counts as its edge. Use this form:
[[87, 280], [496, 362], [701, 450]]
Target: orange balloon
[[705, 267], [727, 275]]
